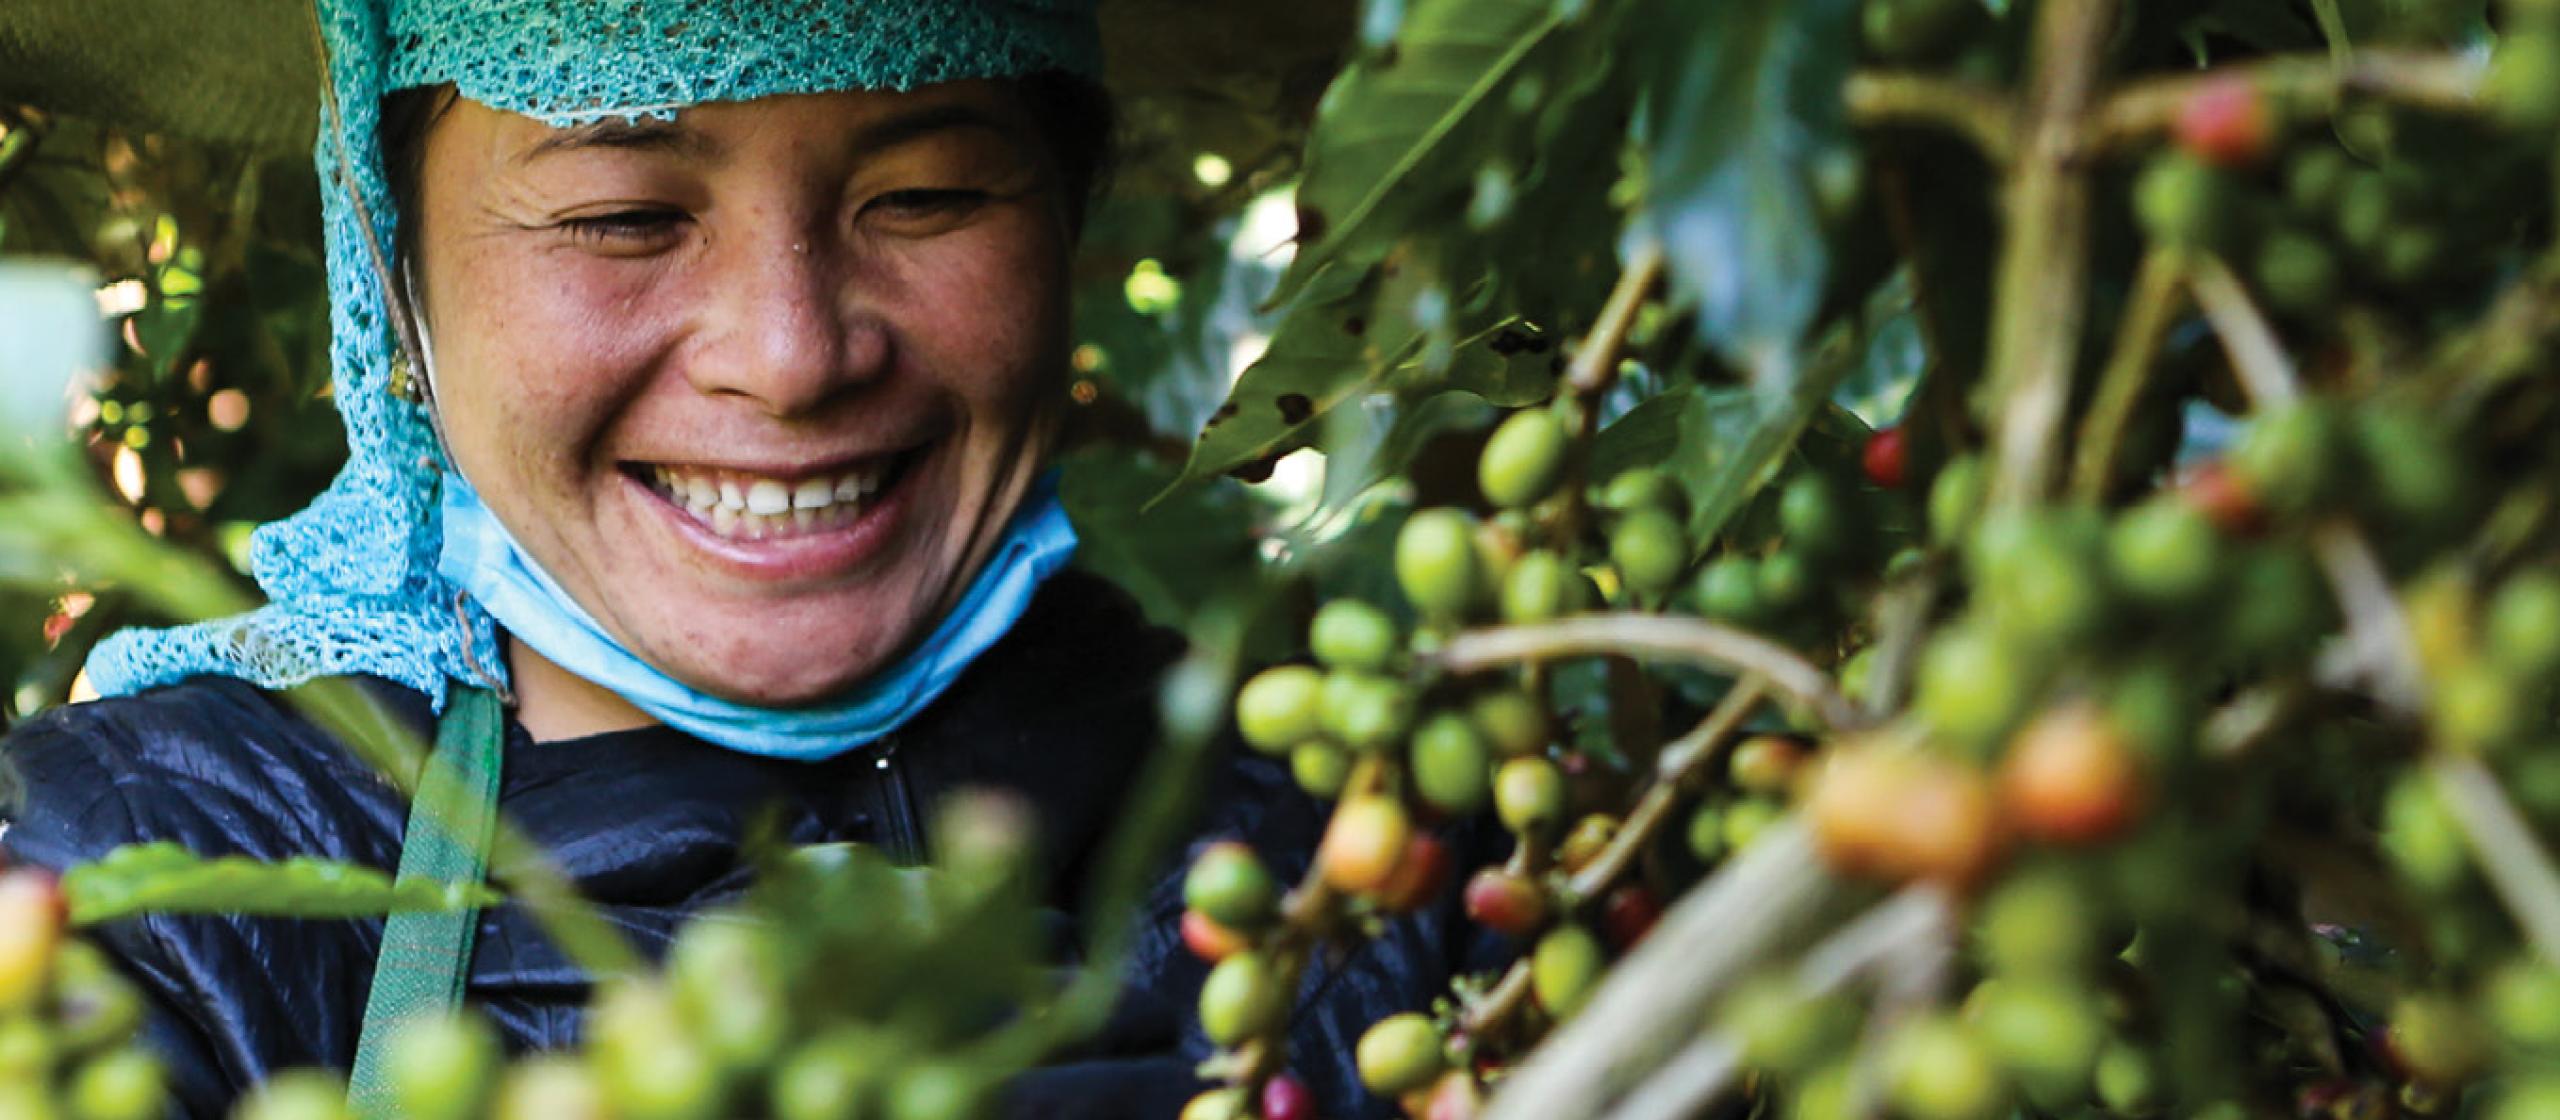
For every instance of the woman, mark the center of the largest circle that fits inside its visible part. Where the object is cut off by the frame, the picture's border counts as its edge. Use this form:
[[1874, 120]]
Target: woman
[[700, 364]]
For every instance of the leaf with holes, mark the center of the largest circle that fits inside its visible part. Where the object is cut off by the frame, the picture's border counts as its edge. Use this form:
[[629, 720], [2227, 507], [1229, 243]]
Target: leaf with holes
[[1389, 330]]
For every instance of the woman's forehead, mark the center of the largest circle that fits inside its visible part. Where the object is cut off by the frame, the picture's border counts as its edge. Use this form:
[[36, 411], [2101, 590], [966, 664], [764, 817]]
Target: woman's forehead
[[856, 122]]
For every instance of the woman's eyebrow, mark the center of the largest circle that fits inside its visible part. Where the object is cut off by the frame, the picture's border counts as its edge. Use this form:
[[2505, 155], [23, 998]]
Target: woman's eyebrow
[[628, 135], [901, 128]]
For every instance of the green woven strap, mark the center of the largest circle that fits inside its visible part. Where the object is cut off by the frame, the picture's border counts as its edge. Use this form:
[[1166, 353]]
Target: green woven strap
[[426, 956]]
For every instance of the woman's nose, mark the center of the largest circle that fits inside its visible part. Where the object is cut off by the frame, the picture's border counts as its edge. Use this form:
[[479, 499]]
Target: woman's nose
[[787, 336]]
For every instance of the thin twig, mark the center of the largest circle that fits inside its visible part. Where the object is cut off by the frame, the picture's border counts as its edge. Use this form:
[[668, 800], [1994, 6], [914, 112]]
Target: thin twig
[[2517, 866], [2158, 295], [2042, 288], [1978, 113], [1902, 620], [1596, 363], [2377, 629], [1918, 914], [1693, 640], [2258, 357], [1681, 760], [2138, 113], [1700, 949]]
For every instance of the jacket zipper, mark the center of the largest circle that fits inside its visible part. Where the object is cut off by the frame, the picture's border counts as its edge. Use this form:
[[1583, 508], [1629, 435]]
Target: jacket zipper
[[897, 807]]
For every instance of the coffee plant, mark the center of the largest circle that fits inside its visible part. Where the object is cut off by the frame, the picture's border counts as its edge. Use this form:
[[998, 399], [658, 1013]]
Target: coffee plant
[[1988, 558]]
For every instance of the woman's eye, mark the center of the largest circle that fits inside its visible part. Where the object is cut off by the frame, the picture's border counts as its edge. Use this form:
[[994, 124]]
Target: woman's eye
[[927, 204], [623, 228]]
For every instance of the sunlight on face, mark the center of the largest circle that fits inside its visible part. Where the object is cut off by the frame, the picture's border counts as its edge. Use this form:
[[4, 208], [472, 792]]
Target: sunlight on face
[[759, 386]]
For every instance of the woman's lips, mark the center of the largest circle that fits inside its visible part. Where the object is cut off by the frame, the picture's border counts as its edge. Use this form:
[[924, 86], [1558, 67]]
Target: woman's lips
[[775, 528]]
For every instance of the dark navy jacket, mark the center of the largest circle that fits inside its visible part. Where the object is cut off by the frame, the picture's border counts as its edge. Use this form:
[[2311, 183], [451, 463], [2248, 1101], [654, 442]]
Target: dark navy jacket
[[649, 823]]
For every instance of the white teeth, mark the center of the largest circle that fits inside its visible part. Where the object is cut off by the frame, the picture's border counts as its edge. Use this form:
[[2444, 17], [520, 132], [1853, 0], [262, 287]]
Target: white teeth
[[745, 507], [812, 494], [767, 497]]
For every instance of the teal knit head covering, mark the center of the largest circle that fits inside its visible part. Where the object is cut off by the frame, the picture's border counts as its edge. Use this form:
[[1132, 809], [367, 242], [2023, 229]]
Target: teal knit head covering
[[352, 581]]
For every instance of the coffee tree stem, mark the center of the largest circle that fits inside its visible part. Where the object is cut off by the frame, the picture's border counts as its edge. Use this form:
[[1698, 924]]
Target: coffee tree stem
[[1883, 98], [1704, 945], [1692, 640], [2141, 111], [1682, 760], [2516, 864], [2041, 287], [2158, 295]]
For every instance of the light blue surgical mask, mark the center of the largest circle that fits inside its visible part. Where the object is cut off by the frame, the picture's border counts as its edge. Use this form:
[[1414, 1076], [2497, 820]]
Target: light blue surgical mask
[[483, 559]]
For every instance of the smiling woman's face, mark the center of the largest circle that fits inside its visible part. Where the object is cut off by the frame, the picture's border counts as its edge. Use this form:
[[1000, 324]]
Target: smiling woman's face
[[759, 387]]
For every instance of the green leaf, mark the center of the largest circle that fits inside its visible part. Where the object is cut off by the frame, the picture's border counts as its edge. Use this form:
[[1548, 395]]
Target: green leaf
[[1724, 444], [1391, 138], [165, 878], [1745, 94], [1172, 556], [1346, 341], [1380, 437]]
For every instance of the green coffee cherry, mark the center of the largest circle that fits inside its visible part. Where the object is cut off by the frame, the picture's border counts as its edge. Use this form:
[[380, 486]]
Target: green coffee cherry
[[727, 978], [2365, 212], [1728, 589], [1228, 883], [1240, 999], [1528, 794], [2523, 623], [2522, 1003], [2165, 552], [1513, 722], [1365, 712], [1971, 686], [2128, 1080], [1650, 550], [1564, 968], [2048, 1034], [1781, 1027], [551, 1087], [2476, 707], [2289, 456], [443, 1067], [2182, 201], [1320, 768], [1523, 459], [1450, 764], [1811, 516], [1955, 498], [1639, 488], [2411, 470], [2422, 837], [1350, 634], [2038, 925], [1436, 562], [1936, 1070], [1541, 586], [2297, 272], [1280, 707], [1786, 580], [296, 1094], [2312, 181], [650, 1066], [1399, 1054], [126, 1084], [945, 1090]]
